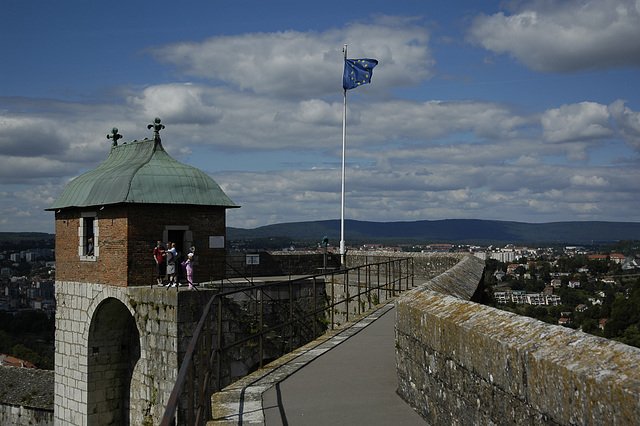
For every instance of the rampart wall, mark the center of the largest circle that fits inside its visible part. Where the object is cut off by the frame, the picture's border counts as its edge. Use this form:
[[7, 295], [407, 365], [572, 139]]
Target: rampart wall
[[26, 396], [425, 265], [458, 362], [463, 363], [280, 263]]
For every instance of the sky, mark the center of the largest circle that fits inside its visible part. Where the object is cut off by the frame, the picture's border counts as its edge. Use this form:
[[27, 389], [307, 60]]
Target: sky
[[523, 111]]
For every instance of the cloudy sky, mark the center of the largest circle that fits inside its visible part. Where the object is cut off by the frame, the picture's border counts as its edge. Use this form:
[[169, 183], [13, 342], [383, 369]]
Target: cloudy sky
[[508, 110]]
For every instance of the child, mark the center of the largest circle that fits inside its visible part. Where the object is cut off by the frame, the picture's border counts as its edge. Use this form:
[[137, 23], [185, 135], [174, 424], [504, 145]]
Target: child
[[188, 264]]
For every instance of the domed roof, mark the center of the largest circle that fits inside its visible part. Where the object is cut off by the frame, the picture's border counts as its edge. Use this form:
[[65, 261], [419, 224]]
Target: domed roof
[[141, 172]]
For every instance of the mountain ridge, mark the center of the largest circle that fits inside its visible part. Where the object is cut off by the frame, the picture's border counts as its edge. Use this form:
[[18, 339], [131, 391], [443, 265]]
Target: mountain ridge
[[470, 231], [449, 230]]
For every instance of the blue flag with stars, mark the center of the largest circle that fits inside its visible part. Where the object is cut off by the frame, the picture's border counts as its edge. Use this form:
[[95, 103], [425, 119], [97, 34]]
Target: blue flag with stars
[[357, 72]]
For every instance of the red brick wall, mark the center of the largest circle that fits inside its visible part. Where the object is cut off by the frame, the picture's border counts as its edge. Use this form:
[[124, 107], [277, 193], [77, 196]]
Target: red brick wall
[[126, 236], [67, 266], [144, 232]]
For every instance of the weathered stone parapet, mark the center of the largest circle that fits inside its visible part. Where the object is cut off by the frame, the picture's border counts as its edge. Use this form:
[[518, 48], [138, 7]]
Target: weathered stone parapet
[[461, 279], [464, 363], [425, 265], [26, 396], [19, 415]]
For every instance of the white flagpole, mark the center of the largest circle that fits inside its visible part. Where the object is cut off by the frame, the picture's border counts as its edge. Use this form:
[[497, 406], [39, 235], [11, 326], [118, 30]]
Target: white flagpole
[[344, 147]]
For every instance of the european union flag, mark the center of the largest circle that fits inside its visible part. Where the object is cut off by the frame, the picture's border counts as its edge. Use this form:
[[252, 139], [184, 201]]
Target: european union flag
[[357, 72]]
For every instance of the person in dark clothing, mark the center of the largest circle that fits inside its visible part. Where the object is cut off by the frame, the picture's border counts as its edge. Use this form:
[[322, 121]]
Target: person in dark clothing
[[158, 257]]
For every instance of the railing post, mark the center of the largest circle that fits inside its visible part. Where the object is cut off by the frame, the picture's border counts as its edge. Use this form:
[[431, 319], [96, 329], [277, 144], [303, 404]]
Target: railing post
[[378, 281], [200, 382], [207, 385], [359, 292], [333, 300], [386, 280], [219, 348], [369, 285], [413, 273], [291, 315], [261, 324], [190, 404], [346, 286], [315, 309], [393, 278]]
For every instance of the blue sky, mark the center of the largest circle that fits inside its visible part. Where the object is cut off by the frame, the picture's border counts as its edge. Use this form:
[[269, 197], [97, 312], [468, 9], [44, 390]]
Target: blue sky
[[515, 110]]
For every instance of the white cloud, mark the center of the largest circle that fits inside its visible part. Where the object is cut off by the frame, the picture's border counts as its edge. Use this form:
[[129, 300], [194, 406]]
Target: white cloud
[[577, 122], [565, 36], [531, 160], [628, 122], [276, 98], [399, 168], [261, 122], [293, 64], [314, 111], [178, 103], [592, 181], [24, 136], [435, 119], [22, 169], [23, 209], [529, 193]]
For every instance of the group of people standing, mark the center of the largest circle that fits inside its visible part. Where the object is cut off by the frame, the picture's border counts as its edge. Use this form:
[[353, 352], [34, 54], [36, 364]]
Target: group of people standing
[[166, 263]]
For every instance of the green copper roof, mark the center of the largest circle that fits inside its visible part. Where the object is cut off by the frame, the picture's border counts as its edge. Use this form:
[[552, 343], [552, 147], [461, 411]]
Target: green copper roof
[[141, 172]]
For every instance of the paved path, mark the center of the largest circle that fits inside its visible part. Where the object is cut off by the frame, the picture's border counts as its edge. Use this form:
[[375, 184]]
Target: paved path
[[353, 383], [345, 377]]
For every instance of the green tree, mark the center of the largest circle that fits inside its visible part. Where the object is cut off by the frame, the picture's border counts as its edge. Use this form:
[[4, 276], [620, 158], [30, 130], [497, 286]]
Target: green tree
[[624, 313], [25, 353], [631, 336], [534, 286], [590, 325]]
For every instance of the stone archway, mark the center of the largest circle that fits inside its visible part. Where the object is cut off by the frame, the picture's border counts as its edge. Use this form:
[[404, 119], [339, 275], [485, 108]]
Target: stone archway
[[113, 349]]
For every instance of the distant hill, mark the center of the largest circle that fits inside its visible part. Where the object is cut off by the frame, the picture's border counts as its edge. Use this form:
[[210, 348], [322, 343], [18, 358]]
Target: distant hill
[[470, 231], [12, 237]]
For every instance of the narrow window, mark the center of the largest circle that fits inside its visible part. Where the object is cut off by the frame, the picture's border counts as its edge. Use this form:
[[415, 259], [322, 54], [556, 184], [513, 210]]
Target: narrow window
[[89, 239], [88, 236]]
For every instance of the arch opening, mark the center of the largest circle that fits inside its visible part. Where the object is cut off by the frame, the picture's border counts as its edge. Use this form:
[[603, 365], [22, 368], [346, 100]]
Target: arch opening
[[113, 351]]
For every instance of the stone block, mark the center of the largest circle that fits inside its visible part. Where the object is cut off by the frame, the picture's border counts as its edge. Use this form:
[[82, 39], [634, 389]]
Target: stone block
[[459, 362]]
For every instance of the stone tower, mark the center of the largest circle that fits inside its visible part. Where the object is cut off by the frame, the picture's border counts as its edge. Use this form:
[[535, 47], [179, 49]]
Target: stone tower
[[118, 335]]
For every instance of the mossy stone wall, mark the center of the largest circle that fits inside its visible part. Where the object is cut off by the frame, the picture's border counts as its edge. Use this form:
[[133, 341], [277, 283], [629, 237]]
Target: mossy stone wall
[[464, 363]]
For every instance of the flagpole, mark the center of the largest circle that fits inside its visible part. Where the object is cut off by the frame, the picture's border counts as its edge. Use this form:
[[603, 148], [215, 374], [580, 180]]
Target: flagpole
[[359, 72], [344, 147]]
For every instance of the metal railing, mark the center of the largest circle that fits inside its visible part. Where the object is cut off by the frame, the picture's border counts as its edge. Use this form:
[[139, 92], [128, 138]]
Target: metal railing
[[200, 373], [234, 266]]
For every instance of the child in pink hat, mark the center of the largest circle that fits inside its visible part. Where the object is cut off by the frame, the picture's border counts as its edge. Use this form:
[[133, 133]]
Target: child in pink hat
[[188, 264]]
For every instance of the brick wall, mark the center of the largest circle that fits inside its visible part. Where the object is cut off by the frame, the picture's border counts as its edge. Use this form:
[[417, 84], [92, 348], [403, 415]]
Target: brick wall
[[126, 236], [147, 224]]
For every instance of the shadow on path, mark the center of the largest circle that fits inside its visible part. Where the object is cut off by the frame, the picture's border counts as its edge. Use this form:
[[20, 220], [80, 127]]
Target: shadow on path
[[353, 383]]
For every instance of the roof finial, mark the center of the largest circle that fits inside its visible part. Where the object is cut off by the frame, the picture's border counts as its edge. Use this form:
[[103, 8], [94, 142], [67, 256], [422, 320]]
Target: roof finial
[[115, 136], [156, 128]]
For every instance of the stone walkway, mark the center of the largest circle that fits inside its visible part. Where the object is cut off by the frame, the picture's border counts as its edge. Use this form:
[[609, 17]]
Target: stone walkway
[[347, 376]]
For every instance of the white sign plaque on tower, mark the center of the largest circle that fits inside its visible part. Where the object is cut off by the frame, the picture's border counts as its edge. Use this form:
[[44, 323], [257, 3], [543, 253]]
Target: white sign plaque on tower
[[216, 241]]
